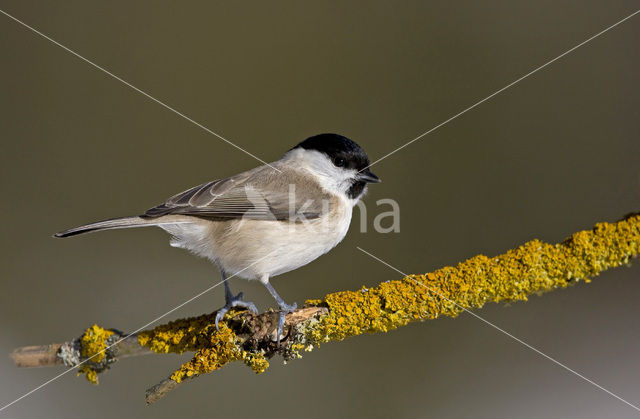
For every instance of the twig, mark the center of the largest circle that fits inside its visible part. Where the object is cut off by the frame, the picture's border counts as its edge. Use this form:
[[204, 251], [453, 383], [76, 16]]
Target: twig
[[37, 356], [49, 355], [160, 390]]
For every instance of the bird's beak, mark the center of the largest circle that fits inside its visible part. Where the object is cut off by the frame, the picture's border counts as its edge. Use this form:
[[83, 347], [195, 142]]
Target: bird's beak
[[368, 176]]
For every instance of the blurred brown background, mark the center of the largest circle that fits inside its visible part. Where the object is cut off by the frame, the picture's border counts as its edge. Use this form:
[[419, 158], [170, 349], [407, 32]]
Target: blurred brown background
[[552, 155]]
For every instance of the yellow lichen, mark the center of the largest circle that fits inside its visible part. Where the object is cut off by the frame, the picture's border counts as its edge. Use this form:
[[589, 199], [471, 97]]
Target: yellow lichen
[[90, 374], [213, 348], [534, 267], [314, 302], [180, 335], [256, 361], [220, 350], [93, 346]]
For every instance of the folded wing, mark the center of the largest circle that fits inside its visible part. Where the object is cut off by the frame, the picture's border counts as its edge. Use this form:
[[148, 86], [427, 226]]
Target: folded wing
[[259, 194]]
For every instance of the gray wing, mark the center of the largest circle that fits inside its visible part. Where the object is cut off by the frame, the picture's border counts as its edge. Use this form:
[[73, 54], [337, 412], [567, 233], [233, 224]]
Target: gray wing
[[258, 194]]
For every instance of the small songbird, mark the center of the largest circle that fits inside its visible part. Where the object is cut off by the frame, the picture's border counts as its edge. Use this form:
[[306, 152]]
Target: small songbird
[[265, 221]]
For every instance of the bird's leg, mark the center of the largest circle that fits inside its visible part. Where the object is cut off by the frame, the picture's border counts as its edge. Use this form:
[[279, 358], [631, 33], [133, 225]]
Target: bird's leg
[[284, 307], [231, 300]]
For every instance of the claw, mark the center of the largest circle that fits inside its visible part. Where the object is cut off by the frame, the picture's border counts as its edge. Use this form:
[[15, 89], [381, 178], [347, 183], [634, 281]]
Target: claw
[[233, 301], [284, 307], [219, 315], [282, 314]]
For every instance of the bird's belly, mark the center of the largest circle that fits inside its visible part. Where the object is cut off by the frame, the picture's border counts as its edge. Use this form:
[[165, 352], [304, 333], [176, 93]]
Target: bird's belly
[[253, 248]]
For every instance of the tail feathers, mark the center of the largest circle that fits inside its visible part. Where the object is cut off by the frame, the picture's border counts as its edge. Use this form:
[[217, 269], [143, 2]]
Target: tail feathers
[[124, 222]]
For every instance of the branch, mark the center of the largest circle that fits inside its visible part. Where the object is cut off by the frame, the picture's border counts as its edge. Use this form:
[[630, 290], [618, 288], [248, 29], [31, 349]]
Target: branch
[[48, 355], [534, 267]]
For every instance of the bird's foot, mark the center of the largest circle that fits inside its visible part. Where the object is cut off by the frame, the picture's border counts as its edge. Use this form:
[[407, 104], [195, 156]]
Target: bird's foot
[[282, 314], [234, 301]]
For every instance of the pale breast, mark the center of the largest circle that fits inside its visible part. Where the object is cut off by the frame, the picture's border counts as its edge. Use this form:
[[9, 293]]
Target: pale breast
[[253, 248]]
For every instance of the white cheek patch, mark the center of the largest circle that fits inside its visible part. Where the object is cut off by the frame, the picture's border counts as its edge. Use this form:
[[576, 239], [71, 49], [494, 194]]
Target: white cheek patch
[[333, 179]]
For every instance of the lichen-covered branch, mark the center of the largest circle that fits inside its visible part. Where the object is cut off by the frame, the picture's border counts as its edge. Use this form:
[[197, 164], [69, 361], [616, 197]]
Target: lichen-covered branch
[[92, 352], [532, 268]]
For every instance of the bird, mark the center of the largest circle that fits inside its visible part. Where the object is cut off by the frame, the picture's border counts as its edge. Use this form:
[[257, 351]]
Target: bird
[[265, 221]]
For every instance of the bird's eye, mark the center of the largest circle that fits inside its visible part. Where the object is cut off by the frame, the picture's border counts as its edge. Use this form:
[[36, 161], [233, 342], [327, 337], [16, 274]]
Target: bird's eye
[[340, 162]]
